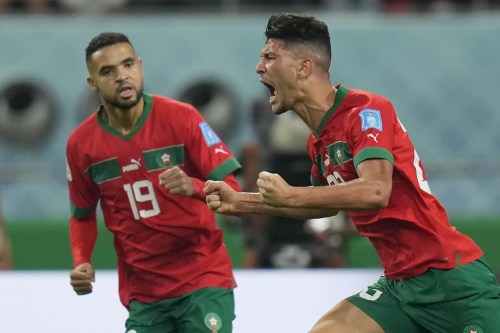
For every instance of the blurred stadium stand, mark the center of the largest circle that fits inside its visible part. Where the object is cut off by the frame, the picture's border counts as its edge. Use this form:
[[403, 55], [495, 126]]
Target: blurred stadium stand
[[240, 6], [441, 71]]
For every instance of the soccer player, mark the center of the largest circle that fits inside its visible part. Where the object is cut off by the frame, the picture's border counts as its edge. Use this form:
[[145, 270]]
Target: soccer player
[[145, 159], [435, 278]]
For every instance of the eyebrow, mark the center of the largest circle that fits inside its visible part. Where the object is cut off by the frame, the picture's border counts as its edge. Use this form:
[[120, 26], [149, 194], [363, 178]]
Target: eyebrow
[[268, 54], [128, 59]]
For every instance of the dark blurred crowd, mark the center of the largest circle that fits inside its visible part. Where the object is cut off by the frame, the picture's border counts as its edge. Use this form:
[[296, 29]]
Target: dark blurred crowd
[[124, 6]]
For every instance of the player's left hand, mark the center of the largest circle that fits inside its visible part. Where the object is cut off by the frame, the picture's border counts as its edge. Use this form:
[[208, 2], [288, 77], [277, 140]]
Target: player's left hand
[[81, 278], [175, 180], [275, 191]]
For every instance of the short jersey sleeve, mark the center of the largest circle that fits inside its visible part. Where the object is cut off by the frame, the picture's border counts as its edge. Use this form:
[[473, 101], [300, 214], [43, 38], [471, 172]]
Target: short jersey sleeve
[[373, 131], [207, 153], [83, 193]]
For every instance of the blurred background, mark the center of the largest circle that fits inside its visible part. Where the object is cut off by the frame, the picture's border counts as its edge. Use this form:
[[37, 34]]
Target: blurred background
[[438, 61]]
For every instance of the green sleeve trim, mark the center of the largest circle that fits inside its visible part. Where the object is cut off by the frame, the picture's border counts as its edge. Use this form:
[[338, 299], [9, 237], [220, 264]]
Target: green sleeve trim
[[318, 182], [373, 152], [227, 167], [81, 213]]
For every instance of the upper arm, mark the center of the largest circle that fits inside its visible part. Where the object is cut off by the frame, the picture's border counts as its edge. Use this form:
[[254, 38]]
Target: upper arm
[[83, 193], [378, 171]]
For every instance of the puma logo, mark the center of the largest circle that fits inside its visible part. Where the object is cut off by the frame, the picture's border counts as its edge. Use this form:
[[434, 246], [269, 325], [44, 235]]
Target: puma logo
[[374, 137], [134, 165], [220, 150]]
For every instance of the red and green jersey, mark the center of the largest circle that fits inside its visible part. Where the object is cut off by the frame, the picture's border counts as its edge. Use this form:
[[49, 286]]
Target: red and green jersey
[[167, 245], [413, 233]]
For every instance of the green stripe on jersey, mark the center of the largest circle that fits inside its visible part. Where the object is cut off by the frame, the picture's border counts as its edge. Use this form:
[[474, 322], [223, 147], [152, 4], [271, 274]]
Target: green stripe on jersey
[[153, 160], [103, 171], [228, 166], [80, 213], [373, 152], [319, 163]]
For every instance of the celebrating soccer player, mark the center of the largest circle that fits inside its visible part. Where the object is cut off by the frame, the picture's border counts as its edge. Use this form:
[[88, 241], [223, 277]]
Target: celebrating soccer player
[[435, 278]]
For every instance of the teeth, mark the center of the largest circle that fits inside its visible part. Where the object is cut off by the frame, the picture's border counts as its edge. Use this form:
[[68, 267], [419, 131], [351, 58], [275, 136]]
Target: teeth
[[271, 99]]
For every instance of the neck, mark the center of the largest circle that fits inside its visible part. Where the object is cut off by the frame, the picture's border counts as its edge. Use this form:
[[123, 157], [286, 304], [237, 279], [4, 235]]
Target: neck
[[123, 120], [316, 105]]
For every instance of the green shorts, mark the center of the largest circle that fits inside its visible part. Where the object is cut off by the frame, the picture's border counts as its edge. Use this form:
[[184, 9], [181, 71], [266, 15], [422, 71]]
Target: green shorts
[[465, 299], [205, 310]]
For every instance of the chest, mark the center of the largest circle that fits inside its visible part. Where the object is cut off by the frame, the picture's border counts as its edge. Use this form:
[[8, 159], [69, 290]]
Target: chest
[[334, 157], [111, 156]]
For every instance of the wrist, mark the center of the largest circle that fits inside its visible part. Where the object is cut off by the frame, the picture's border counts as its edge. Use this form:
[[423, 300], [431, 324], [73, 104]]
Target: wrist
[[248, 203], [197, 185]]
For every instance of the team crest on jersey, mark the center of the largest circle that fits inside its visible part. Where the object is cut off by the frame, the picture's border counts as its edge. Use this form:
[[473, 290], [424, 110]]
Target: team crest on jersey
[[370, 118], [213, 322], [473, 329], [338, 153], [208, 134]]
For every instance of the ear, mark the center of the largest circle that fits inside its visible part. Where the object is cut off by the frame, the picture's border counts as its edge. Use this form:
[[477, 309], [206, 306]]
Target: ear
[[91, 83], [305, 68]]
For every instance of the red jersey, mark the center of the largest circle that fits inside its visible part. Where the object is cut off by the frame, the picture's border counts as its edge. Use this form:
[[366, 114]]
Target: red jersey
[[411, 234], [167, 245]]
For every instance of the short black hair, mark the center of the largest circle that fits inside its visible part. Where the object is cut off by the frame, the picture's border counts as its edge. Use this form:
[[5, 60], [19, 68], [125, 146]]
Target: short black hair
[[300, 29], [102, 40]]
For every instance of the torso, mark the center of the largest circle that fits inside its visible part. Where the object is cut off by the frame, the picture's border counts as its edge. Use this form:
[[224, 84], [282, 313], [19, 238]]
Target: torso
[[167, 245], [362, 125]]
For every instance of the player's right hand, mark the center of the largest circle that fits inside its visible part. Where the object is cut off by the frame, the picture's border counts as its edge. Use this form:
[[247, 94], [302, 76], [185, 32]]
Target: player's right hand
[[220, 197], [81, 279]]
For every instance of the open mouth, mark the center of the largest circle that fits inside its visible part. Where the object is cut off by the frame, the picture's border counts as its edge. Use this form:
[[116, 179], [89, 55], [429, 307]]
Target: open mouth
[[272, 91], [125, 91]]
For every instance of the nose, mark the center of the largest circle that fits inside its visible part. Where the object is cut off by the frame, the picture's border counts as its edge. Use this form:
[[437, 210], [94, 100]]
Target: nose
[[121, 74], [259, 69]]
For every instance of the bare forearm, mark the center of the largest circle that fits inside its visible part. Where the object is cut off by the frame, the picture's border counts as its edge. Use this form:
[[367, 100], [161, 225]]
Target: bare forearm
[[356, 195], [251, 203]]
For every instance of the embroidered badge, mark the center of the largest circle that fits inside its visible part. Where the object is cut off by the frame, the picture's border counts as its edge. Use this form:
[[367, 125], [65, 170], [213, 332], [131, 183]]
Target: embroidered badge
[[370, 118], [338, 153], [473, 329], [208, 134], [213, 322]]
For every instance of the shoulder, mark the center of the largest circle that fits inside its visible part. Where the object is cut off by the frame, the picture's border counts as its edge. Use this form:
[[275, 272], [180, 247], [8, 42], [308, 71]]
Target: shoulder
[[364, 98], [84, 130], [362, 102], [171, 104]]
